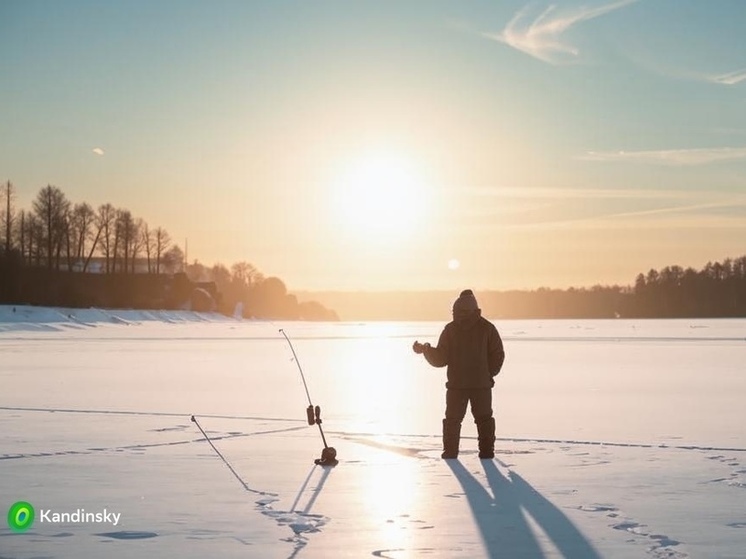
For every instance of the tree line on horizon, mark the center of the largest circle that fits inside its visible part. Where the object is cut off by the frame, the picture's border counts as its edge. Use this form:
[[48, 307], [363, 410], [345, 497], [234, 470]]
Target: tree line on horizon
[[61, 236], [718, 289]]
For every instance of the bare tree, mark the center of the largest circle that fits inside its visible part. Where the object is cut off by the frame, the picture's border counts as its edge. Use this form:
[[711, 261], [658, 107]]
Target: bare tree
[[148, 243], [124, 233], [173, 260], [105, 224], [63, 238], [116, 247], [51, 206], [245, 273], [81, 222], [220, 275], [36, 236], [67, 228], [21, 233], [117, 253], [28, 235], [137, 240], [94, 244], [8, 195], [162, 242]]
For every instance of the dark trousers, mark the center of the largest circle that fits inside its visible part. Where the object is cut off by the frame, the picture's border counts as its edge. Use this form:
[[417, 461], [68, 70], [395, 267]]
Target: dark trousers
[[457, 400], [481, 408]]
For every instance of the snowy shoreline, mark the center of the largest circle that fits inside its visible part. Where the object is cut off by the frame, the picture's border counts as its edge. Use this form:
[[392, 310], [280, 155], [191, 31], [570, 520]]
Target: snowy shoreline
[[27, 314]]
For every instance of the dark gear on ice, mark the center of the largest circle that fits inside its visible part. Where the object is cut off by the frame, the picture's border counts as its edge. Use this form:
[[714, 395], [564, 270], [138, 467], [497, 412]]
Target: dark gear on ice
[[472, 350]]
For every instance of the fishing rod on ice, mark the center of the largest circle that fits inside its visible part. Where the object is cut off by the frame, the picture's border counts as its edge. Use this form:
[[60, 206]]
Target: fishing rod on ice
[[220, 454], [313, 414]]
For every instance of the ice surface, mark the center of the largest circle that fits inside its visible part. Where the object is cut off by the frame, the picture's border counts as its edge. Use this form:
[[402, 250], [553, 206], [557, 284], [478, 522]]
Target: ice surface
[[615, 439]]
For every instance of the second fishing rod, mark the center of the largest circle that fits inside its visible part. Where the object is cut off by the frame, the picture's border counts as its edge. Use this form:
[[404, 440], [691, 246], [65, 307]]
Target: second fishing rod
[[313, 414]]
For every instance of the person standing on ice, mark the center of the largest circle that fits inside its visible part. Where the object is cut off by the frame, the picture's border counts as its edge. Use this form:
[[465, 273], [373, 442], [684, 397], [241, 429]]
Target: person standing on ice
[[471, 347]]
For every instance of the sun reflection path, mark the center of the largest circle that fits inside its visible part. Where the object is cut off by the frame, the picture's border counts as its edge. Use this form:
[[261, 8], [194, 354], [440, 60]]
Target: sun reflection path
[[392, 493]]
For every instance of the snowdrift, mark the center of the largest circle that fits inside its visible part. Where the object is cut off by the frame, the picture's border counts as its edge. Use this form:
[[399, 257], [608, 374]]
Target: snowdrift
[[21, 317]]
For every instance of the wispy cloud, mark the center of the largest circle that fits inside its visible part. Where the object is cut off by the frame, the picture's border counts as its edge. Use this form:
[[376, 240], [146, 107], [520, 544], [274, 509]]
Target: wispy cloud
[[539, 208], [699, 156], [98, 151], [731, 78], [542, 37], [541, 193], [705, 214], [686, 212]]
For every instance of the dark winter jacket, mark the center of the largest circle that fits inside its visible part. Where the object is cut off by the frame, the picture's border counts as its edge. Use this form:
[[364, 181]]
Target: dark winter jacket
[[472, 351]]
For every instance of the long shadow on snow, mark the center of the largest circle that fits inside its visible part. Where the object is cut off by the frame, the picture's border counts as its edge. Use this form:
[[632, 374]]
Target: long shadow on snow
[[501, 521], [301, 522]]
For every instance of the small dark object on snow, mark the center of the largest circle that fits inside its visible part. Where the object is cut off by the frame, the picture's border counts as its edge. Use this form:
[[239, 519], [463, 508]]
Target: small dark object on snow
[[328, 457]]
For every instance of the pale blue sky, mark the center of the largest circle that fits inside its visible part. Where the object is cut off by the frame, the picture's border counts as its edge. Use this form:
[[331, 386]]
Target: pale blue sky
[[553, 144]]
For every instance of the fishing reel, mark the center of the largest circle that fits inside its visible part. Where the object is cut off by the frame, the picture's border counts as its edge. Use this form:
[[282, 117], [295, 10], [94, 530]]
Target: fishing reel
[[328, 454], [328, 457]]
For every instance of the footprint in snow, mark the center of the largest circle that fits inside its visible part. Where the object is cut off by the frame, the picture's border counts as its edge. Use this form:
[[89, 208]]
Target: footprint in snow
[[128, 535], [598, 508], [735, 477], [659, 546]]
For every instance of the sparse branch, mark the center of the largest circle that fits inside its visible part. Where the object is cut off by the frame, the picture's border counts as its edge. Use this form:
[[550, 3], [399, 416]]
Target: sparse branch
[[162, 242], [7, 192]]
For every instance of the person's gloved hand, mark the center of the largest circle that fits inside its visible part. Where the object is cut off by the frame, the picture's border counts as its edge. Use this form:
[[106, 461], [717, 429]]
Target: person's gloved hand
[[419, 348]]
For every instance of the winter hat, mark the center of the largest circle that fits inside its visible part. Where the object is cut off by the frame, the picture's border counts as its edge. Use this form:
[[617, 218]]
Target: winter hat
[[466, 301]]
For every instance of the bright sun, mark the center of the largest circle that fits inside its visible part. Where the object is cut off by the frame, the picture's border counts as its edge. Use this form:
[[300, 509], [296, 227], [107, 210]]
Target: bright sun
[[379, 197]]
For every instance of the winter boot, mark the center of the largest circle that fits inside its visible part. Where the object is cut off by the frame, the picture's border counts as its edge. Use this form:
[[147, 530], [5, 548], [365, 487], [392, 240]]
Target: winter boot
[[486, 434], [451, 437]]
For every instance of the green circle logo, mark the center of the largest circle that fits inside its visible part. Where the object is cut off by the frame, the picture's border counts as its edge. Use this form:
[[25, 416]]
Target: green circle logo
[[21, 516]]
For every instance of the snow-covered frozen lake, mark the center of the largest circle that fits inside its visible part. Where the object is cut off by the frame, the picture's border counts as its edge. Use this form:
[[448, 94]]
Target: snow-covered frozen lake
[[619, 439]]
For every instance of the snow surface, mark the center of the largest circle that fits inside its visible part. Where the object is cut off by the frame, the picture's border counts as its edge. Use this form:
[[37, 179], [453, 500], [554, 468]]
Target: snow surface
[[615, 439]]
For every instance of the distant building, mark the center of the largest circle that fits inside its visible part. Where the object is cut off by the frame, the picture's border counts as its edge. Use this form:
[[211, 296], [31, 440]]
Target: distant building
[[97, 265]]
